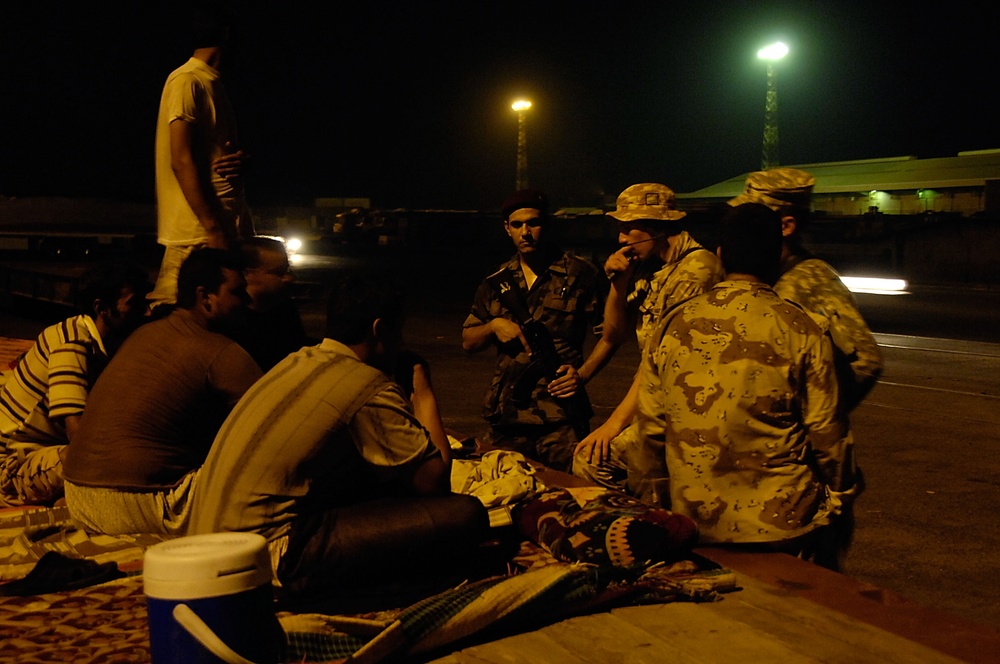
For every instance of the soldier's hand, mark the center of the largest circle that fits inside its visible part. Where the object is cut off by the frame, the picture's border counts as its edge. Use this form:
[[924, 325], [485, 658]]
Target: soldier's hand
[[566, 383], [507, 330], [596, 447], [620, 264]]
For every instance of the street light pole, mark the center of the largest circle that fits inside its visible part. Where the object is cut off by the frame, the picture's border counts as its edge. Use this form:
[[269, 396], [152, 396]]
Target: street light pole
[[521, 106], [771, 54]]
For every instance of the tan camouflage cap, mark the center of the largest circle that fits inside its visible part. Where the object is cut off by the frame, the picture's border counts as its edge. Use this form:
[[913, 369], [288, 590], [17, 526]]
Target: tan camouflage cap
[[777, 188], [647, 201]]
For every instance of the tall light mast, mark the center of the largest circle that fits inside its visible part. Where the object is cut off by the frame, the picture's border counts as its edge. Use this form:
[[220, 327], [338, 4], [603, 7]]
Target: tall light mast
[[521, 106], [771, 54]]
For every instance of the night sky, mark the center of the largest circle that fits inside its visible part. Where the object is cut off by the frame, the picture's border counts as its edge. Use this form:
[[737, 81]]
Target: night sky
[[408, 103]]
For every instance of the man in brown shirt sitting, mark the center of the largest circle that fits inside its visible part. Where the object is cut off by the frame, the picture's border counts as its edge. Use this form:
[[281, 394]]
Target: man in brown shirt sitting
[[152, 415]]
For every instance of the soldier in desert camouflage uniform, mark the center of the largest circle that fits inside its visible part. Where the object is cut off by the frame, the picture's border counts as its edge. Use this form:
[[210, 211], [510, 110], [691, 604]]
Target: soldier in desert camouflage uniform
[[738, 408], [814, 284], [658, 267], [561, 291]]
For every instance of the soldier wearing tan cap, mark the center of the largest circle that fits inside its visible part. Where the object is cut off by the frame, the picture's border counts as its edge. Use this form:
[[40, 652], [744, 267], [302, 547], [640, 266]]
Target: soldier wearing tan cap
[[658, 266], [813, 283]]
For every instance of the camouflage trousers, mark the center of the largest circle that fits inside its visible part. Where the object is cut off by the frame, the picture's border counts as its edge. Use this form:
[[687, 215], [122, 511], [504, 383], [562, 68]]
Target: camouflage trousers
[[31, 477], [551, 445], [611, 473], [630, 468]]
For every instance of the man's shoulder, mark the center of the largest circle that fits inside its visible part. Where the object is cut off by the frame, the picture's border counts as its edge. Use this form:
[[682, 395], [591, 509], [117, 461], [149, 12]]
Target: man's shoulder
[[696, 257], [333, 366], [511, 264], [508, 269], [810, 267], [75, 329], [810, 280], [576, 264]]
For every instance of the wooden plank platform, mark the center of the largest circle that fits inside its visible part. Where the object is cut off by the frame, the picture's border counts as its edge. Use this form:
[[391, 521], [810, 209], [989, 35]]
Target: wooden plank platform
[[11, 348], [787, 611]]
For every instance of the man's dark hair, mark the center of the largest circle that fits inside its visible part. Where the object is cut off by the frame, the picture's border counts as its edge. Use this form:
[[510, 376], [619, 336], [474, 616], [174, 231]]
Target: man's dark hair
[[204, 268], [252, 247], [211, 21], [105, 281], [750, 240], [356, 301]]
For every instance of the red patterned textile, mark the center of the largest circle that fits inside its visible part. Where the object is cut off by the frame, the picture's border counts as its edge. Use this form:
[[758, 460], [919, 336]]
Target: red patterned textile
[[604, 527]]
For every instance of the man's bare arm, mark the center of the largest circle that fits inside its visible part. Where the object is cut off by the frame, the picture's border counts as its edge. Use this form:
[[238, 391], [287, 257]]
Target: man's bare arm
[[618, 325], [477, 337], [425, 409]]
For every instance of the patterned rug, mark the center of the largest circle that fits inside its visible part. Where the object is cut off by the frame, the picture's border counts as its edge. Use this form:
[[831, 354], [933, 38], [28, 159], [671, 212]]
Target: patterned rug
[[108, 622]]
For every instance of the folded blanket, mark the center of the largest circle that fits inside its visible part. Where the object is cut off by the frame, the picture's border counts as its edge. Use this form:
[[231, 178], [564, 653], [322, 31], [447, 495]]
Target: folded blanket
[[28, 533], [493, 607]]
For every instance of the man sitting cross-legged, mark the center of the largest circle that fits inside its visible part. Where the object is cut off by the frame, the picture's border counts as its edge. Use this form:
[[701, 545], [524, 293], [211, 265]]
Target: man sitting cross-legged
[[44, 397]]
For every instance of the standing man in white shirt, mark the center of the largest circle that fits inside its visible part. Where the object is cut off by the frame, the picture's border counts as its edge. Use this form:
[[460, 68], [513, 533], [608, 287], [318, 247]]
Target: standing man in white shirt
[[199, 166]]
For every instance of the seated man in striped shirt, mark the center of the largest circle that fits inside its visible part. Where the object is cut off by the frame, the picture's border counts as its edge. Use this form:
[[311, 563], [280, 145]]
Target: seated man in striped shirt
[[43, 399]]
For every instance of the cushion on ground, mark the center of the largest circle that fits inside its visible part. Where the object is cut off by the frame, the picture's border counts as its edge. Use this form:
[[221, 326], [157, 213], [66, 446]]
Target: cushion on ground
[[604, 527]]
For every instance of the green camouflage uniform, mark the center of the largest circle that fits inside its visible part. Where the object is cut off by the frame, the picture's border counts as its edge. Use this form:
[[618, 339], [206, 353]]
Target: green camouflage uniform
[[738, 405], [817, 287], [567, 300]]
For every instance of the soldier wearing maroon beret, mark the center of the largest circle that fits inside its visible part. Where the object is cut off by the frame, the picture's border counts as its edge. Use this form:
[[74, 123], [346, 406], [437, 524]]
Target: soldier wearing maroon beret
[[537, 311]]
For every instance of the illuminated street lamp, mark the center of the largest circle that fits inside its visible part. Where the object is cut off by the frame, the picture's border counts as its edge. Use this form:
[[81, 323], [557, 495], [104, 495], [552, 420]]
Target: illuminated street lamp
[[771, 54], [521, 106]]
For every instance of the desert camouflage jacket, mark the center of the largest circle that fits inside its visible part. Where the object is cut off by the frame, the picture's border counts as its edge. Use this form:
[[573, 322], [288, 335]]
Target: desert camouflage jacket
[[816, 286], [567, 299], [738, 407], [689, 270]]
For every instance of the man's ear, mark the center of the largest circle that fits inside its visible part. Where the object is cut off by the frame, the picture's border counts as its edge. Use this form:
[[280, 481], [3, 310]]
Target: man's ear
[[202, 298], [788, 225], [97, 307], [377, 328]]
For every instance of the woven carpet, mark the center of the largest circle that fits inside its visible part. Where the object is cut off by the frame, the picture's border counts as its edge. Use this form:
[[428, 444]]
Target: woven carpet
[[108, 622]]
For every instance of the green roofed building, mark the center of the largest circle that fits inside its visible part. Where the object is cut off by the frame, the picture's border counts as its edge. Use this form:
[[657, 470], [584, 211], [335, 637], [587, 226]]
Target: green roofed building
[[964, 185]]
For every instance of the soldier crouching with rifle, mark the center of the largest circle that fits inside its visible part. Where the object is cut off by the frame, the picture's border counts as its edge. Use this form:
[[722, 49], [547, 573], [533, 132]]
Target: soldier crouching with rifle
[[537, 310]]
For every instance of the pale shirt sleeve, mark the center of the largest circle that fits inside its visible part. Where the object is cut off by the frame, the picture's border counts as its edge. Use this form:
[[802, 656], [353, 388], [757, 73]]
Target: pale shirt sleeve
[[386, 432], [182, 98]]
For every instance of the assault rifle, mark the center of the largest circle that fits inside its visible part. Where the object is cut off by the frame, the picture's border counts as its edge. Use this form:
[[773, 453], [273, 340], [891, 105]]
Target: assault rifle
[[545, 360]]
